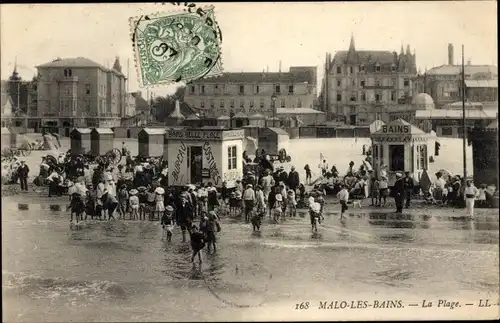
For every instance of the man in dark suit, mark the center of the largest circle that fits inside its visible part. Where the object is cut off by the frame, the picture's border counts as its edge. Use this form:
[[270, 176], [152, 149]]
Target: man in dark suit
[[408, 181], [23, 171], [399, 190]]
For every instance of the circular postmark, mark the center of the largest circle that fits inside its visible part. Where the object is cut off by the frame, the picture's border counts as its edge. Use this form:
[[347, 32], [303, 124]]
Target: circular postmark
[[184, 46]]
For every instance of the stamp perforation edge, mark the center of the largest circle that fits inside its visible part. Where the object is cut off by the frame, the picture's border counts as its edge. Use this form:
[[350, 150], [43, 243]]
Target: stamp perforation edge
[[133, 24]]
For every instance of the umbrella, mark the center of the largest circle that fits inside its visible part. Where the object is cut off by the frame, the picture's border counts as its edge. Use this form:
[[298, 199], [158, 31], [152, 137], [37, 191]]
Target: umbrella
[[133, 191], [142, 188], [446, 174], [159, 190]]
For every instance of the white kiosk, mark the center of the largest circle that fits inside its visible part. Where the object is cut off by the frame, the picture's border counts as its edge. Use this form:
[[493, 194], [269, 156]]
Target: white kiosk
[[401, 147], [204, 155]]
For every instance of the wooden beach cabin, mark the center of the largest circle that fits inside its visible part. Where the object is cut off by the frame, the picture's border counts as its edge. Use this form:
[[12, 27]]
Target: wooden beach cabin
[[151, 142], [101, 141], [80, 141]]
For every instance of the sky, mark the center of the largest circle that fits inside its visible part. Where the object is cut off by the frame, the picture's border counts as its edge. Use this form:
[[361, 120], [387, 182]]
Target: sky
[[256, 36]]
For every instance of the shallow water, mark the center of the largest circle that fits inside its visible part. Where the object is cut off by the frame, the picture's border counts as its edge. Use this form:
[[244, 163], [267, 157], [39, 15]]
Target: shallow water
[[102, 271]]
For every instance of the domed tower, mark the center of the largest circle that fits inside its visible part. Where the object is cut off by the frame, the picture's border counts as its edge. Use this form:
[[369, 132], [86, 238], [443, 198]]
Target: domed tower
[[423, 101]]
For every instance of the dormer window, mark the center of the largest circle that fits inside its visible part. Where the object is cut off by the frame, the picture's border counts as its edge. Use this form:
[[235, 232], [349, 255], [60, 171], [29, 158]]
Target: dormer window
[[377, 68], [339, 69]]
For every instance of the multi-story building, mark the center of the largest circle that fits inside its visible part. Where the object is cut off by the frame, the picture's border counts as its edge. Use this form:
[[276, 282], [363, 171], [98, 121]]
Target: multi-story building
[[358, 86], [444, 83], [254, 93], [78, 92]]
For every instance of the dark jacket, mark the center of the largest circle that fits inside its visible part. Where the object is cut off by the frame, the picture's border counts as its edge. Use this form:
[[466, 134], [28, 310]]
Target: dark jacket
[[408, 183], [293, 180], [399, 186], [23, 171]]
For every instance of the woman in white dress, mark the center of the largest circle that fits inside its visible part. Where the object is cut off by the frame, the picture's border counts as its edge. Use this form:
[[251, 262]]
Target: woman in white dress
[[159, 199]]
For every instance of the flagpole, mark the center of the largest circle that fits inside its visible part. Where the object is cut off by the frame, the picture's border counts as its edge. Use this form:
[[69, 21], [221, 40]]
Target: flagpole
[[464, 127]]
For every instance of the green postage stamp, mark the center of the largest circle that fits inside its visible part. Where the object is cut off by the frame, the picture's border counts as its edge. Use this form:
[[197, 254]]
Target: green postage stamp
[[176, 46]]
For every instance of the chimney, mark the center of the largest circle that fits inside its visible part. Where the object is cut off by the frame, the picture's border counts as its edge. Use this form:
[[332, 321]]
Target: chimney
[[450, 54]]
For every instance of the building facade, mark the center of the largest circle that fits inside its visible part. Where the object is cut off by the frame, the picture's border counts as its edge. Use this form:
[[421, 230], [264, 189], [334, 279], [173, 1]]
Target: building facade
[[444, 83], [252, 93], [360, 85], [78, 92], [21, 97]]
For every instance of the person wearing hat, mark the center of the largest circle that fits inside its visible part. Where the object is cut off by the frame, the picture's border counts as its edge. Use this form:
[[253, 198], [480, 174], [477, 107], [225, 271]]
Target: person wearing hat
[[409, 185], [248, 201], [471, 193], [212, 225], [291, 203], [293, 179], [23, 171], [383, 190], [399, 191], [260, 200], [123, 198], [184, 213], [167, 222], [277, 208], [133, 201], [110, 203]]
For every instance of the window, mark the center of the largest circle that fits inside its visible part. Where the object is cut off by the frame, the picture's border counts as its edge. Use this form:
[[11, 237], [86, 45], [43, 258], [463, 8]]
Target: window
[[222, 103], [283, 103], [66, 90], [262, 103], [339, 69], [353, 82], [192, 89], [242, 89], [231, 104], [362, 83], [351, 70], [212, 104], [394, 82], [377, 97], [377, 68], [290, 89], [251, 103], [362, 68], [446, 131], [67, 72], [393, 68], [339, 82], [363, 96], [299, 103], [393, 95], [377, 83], [339, 97], [232, 157], [353, 98], [87, 88], [406, 82], [353, 110], [202, 104], [202, 89], [257, 89], [277, 89], [242, 104]]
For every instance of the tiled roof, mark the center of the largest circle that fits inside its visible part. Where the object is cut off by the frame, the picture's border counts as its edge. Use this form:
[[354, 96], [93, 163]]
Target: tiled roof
[[259, 77], [78, 62], [368, 57], [456, 69], [73, 62], [481, 83], [298, 111], [455, 114]]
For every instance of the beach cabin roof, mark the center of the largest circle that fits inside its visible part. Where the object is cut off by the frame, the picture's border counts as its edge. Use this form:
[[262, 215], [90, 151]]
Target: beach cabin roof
[[223, 118], [193, 117], [257, 116], [154, 131], [82, 130], [103, 131], [240, 115], [401, 123], [278, 131]]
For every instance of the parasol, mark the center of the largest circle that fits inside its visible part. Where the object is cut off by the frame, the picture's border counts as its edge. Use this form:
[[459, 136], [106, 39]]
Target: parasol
[[133, 191], [159, 190], [446, 174], [142, 188]]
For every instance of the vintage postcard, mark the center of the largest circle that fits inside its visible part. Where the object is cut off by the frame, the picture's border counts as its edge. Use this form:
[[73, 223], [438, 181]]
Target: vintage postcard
[[298, 161]]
